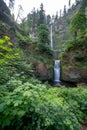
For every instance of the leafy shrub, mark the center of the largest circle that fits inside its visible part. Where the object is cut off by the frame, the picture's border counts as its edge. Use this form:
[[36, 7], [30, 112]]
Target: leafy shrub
[[45, 48], [80, 42], [80, 56], [7, 56], [70, 45], [13, 62], [78, 22], [23, 40], [34, 107]]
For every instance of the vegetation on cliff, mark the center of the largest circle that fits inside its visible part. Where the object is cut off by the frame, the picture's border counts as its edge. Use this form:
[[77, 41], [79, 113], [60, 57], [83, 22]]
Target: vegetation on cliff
[[74, 57]]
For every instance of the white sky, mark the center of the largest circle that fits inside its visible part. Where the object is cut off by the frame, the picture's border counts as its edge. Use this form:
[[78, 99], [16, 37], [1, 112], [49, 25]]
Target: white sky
[[50, 6]]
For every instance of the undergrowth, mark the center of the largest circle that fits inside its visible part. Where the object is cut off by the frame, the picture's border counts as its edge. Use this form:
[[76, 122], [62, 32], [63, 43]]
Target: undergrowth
[[34, 106]]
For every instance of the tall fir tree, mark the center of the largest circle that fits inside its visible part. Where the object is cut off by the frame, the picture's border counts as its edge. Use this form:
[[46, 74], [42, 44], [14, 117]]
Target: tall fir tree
[[69, 3], [42, 19], [33, 20], [83, 5], [64, 9]]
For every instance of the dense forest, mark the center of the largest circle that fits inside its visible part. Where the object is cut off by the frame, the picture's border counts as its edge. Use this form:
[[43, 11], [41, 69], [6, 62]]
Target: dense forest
[[30, 97]]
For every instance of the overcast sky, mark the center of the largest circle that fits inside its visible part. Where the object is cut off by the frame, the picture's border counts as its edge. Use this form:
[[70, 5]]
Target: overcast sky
[[50, 6]]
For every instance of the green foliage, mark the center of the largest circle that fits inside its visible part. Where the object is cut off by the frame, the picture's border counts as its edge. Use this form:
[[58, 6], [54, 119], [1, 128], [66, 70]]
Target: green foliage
[[41, 13], [45, 48], [80, 56], [7, 55], [81, 64], [83, 4], [70, 45], [43, 34], [79, 22], [33, 106], [80, 42], [13, 62], [22, 40], [5, 48]]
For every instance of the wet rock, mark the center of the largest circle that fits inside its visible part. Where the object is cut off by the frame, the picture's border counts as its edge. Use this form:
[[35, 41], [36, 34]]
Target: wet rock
[[74, 74], [43, 71]]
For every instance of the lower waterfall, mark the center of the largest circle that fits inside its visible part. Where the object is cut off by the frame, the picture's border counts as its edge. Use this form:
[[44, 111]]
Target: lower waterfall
[[57, 71]]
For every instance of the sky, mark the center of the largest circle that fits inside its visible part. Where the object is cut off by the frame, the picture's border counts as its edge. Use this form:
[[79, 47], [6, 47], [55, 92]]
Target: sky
[[50, 6]]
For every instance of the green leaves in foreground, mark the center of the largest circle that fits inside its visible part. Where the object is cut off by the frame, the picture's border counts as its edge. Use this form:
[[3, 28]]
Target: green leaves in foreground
[[34, 107]]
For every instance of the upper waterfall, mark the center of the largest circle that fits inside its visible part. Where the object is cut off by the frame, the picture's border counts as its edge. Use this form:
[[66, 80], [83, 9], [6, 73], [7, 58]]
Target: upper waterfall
[[51, 36]]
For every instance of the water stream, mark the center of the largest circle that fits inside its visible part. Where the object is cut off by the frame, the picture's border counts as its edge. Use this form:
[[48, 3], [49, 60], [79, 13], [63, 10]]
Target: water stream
[[51, 37], [57, 71], [57, 62]]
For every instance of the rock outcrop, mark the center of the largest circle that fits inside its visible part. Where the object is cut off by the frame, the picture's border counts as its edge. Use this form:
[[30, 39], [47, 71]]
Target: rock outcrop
[[43, 71], [74, 67], [74, 74]]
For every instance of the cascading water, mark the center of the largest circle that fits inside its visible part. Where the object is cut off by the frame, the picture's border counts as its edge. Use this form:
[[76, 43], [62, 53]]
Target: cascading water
[[57, 62], [51, 37], [57, 71]]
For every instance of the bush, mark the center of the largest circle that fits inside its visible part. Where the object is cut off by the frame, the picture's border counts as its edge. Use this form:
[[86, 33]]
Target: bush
[[35, 107], [45, 48], [7, 55], [70, 45], [23, 40], [80, 56]]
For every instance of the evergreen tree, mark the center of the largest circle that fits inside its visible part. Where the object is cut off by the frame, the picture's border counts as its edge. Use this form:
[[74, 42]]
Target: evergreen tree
[[77, 2], [56, 17], [33, 20], [78, 24], [41, 15], [43, 34], [64, 9], [83, 4], [48, 19], [69, 3]]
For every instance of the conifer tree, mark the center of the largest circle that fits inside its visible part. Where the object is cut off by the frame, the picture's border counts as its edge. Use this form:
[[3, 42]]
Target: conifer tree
[[83, 4], [33, 20], [41, 15], [69, 3], [48, 19], [43, 34], [64, 9], [56, 17]]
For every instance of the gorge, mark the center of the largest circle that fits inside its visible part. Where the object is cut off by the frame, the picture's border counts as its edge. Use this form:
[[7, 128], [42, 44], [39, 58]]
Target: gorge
[[43, 69]]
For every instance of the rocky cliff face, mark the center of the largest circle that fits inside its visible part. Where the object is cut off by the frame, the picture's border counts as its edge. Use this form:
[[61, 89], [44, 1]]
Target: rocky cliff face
[[74, 67], [61, 27], [43, 71], [42, 62], [73, 61], [74, 74]]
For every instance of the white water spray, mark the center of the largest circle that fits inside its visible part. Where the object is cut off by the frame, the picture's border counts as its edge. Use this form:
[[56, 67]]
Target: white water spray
[[57, 71], [51, 36], [57, 62]]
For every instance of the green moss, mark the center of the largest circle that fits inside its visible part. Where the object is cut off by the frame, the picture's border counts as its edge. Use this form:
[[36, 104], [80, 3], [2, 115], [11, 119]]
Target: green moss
[[80, 64]]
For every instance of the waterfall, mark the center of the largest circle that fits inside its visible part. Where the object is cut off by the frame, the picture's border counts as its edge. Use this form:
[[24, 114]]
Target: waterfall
[[57, 62], [51, 37], [57, 71]]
